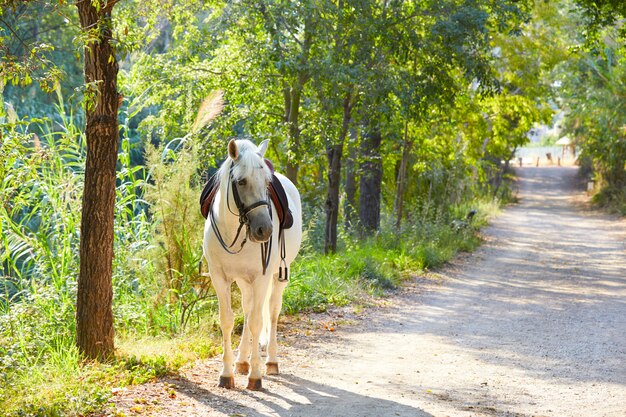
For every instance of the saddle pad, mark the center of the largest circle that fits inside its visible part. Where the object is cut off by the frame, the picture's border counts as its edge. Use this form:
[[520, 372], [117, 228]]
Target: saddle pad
[[279, 197], [208, 195]]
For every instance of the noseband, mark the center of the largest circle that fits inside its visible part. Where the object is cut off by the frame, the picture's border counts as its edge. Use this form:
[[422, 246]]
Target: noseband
[[244, 220], [243, 210]]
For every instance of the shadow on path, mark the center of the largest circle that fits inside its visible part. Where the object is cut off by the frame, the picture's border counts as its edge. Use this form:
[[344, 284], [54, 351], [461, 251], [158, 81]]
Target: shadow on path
[[289, 395]]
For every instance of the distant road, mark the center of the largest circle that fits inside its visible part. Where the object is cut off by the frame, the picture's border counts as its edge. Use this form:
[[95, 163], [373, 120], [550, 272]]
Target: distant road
[[530, 154]]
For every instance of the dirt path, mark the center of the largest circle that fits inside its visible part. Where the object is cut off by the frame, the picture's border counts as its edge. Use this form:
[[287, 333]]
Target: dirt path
[[533, 324]]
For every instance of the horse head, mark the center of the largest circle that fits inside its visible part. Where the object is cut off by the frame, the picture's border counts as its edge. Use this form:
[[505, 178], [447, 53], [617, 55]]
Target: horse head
[[249, 177]]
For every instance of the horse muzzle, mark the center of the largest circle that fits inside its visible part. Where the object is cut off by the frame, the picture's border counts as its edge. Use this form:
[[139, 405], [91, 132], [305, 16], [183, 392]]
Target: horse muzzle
[[260, 233]]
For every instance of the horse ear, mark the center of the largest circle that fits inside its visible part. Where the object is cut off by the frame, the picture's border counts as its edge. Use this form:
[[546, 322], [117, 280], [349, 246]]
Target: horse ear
[[263, 147], [233, 152]]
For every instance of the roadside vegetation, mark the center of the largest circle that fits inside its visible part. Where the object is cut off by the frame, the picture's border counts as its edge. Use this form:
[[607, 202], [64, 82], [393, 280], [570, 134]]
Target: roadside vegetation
[[393, 142]]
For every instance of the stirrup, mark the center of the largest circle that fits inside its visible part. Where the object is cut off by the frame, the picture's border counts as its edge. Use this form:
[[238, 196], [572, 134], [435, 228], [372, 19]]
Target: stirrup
[[282, 278]]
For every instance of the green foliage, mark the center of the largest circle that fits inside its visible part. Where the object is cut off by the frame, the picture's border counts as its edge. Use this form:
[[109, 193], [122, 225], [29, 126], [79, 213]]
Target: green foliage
[[596, 114], [41, 184], [613, 198], [176, 244], [37, 57], [601, 13]]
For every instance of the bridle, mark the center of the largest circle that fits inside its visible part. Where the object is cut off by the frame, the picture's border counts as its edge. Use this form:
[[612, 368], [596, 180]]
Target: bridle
[[244, 220]]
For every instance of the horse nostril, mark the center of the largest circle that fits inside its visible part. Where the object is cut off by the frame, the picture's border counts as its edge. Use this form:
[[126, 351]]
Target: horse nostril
[[260, 231]]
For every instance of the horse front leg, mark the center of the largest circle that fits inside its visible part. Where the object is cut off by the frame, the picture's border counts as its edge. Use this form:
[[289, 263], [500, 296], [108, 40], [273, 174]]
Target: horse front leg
[[276, 304], [227, 322], [255, 325], [242, 366]]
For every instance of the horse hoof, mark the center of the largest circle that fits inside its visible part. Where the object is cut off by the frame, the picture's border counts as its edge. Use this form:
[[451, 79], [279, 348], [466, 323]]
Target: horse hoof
[[242, 368], [271, 368], [254, 384], [227, 382]]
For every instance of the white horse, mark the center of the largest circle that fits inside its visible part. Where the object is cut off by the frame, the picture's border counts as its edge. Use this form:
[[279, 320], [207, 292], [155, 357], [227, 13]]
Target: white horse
[[252, 259]]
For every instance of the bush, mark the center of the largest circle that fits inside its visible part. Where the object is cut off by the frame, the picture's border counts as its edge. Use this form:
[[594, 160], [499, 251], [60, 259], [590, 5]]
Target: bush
[[613, 199]]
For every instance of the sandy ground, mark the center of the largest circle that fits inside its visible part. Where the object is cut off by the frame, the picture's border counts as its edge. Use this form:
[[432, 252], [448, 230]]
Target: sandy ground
[[532, 324]]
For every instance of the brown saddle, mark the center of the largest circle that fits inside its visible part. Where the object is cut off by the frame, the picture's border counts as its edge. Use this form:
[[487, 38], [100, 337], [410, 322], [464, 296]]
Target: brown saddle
[[275, 190]]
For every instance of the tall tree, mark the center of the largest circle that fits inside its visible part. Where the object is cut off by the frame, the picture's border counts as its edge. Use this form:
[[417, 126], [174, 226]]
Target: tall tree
[[94, 317], [334, 154], [292, 29], [592, 93], [371, 178], [336, 86]]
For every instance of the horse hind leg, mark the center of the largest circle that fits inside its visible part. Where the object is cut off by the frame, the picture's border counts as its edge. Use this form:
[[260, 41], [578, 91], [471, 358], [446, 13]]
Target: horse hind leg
[[227, 321], [275, 305], [242, 366]]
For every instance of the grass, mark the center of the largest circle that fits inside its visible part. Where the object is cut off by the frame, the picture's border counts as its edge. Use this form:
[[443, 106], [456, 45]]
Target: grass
[[380, 263], [63, 384], [58, 386]]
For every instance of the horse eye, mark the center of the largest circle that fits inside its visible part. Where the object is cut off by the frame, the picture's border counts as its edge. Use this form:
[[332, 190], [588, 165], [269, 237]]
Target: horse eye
[[242, 182]]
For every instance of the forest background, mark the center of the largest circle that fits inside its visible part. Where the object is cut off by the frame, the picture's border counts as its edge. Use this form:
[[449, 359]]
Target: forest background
[[394, 118]]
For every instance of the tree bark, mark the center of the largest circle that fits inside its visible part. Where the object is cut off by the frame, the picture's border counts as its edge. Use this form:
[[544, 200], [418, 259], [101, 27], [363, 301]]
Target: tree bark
[[334, 154], [293, 115], [94, 317], [371, 179], [401, 181], [350, 185]]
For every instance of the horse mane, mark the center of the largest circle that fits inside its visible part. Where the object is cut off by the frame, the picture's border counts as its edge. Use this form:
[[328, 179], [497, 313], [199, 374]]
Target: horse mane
[[248, 162]]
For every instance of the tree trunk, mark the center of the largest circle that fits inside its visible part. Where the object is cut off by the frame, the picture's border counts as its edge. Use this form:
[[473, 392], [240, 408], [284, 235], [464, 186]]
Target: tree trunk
[[401, 181], [350, 185], [371, 179], [334, 154], [293, 114], [94, 317]]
